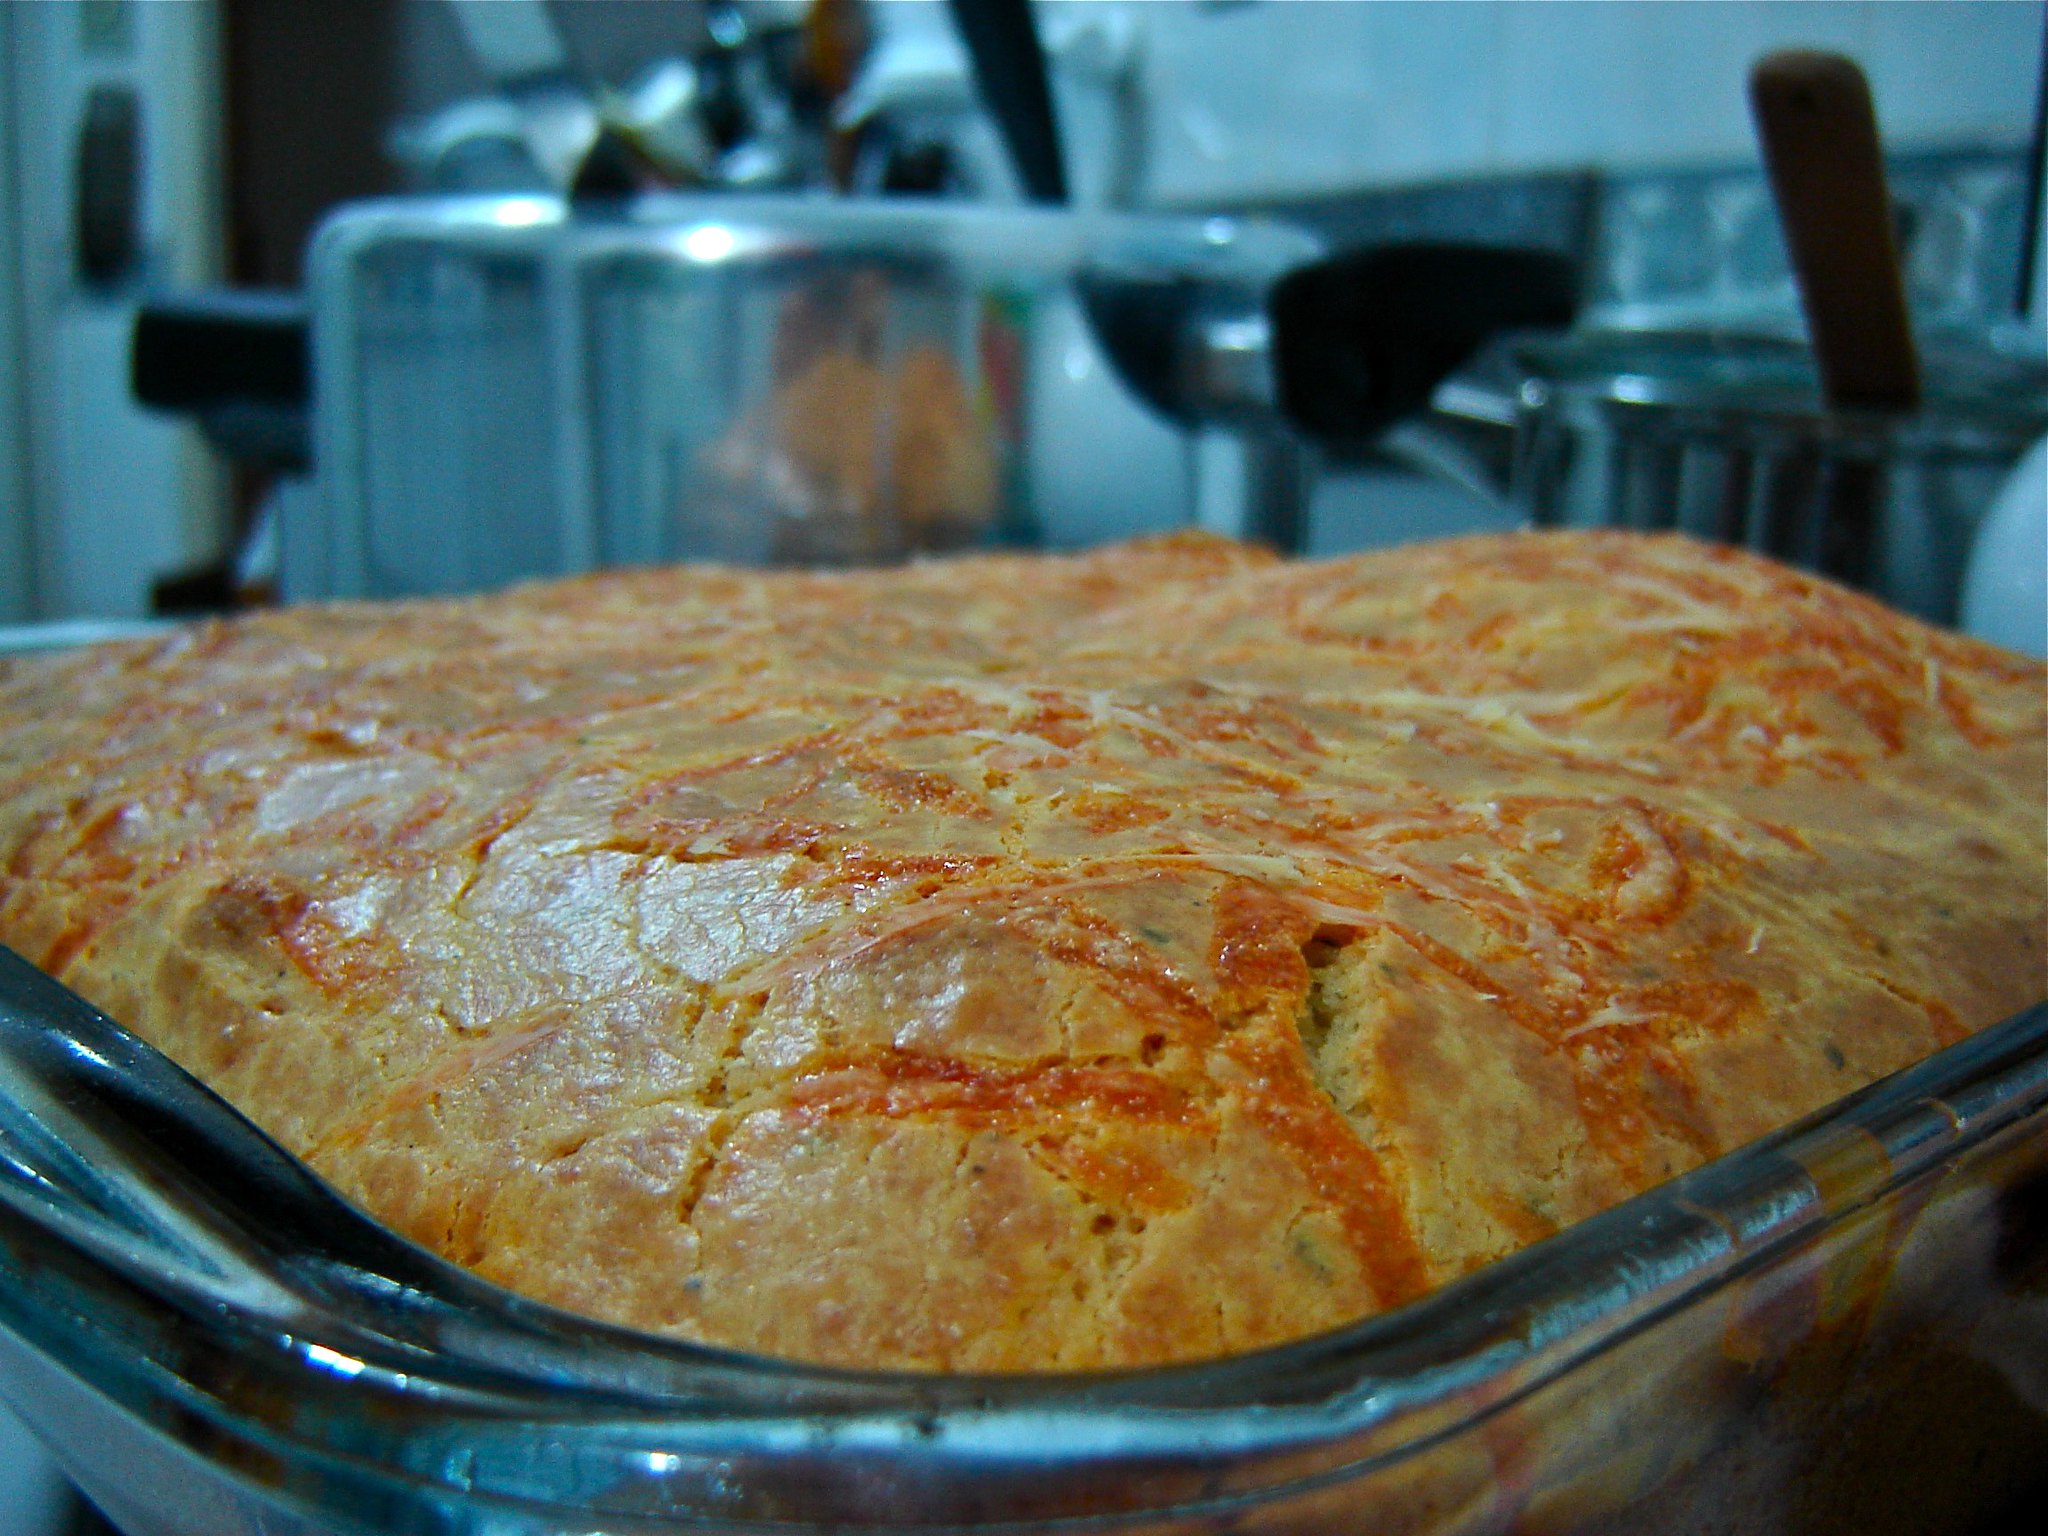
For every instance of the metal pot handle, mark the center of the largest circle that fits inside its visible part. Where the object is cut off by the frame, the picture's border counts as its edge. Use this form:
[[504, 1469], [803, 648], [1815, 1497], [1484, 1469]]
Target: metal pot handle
[[1339, 349]]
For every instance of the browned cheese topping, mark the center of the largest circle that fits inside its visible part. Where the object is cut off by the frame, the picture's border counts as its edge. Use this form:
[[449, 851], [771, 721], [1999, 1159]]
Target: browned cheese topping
[[1025, 962]]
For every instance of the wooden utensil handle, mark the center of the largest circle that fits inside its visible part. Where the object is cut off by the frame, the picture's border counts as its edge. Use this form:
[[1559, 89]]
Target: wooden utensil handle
[[1819, 133]]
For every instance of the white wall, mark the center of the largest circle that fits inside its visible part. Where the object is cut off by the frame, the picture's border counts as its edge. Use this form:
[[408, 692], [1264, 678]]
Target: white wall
[[16, 555], [105, 496], [1294, 96]]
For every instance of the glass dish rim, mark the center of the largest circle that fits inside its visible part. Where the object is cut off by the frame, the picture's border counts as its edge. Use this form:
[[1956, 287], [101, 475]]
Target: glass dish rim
[[1255, 1425]]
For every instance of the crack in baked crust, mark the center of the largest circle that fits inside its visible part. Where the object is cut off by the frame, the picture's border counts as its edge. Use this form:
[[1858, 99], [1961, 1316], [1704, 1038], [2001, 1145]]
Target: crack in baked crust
[[1025, 961]]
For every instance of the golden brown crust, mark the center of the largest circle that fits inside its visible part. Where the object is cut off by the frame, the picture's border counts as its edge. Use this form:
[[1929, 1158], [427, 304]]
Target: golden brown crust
[[1024, 962]]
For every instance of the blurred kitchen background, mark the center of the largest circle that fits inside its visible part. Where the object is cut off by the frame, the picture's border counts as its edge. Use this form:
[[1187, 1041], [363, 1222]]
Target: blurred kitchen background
[[153, 148]]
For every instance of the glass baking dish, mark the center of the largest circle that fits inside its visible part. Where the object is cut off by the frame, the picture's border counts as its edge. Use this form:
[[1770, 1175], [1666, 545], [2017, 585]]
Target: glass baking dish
[[1843, 1326]]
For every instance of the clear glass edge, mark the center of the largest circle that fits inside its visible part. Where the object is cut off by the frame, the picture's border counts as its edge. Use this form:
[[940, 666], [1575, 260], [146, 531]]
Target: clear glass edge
[[695, 1427]]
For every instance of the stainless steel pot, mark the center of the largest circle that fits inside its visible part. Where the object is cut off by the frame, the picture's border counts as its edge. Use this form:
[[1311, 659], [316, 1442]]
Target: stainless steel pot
[[526, 386], [511, 387], [1725, 437]]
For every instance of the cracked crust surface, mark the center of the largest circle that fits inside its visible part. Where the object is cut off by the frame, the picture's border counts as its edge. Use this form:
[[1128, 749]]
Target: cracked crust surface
[[1019, 962]]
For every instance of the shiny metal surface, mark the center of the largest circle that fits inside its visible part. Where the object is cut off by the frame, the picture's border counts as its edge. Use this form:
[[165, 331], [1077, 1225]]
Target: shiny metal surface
[[505, 389], [215, 1343], [1726, 438]]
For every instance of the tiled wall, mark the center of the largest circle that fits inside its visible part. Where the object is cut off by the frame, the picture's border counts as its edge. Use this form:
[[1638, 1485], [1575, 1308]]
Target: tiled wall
[[1709, 240], [1618, 131], [1281, 96]]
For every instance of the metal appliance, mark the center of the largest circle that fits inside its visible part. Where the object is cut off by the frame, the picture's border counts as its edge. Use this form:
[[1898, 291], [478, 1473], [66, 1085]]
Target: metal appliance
[[512, 387]]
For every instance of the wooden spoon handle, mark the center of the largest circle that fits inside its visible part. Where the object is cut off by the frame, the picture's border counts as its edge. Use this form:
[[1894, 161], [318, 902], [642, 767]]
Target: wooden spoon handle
[[1819, 132]]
